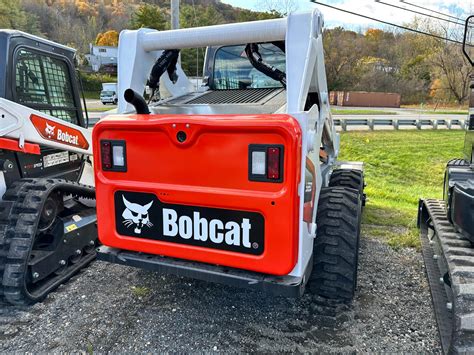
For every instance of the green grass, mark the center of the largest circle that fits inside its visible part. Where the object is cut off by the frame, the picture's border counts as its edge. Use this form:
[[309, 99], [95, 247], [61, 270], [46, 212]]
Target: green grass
[[140, 291], [101, 109], [95, 95], [400, 168], [447, 112], [361, 112]]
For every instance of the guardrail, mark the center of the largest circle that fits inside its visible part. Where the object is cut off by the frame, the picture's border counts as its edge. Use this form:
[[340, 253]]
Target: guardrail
[[396, 123]]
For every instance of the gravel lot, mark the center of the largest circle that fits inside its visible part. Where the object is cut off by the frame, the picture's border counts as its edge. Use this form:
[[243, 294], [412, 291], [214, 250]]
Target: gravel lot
[[114, 308]]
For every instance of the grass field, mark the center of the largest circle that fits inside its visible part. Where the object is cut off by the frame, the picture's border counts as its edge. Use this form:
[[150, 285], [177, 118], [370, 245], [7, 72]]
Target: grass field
[[446, 112], [361, 112], [400, 168]]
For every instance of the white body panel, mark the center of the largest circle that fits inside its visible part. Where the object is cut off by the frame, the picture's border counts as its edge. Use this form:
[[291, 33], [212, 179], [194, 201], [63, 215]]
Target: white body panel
[[305, 72], [16, 124]]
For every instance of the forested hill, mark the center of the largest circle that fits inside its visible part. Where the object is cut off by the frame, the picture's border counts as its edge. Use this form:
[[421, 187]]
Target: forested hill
[[421, 68], [77, 22]]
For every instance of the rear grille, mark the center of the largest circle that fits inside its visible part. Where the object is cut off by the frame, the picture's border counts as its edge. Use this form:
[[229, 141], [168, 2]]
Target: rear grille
[[235, 96]]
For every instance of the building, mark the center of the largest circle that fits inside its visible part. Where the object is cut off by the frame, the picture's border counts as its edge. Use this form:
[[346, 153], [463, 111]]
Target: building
[[103, 58]]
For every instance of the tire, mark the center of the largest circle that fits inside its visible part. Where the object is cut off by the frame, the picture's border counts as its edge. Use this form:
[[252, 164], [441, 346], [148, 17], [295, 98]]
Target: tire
[[336, 246], [350, 178]]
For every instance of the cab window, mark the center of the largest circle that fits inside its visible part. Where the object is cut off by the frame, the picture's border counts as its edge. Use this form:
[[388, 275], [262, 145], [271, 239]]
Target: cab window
[[43, 83], [233, 70]]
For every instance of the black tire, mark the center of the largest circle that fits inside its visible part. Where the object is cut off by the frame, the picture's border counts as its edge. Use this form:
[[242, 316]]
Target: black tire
[[336, 246], [350, 178]]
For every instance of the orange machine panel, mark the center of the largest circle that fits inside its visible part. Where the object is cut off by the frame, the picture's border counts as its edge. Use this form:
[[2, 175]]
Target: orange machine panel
[[184, 188]]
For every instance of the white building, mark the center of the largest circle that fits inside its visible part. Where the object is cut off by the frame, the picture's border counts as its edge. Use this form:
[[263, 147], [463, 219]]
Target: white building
[[101, 56]]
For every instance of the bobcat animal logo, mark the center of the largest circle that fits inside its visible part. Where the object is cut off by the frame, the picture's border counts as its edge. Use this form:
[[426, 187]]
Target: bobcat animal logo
[[49, 130], [136, 215]]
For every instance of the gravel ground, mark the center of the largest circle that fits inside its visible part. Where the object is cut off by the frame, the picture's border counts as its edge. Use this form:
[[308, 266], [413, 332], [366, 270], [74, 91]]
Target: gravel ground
[[114, 308]]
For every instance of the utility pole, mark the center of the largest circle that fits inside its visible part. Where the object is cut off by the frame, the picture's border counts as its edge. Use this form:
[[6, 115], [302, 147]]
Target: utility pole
[[174, 14]]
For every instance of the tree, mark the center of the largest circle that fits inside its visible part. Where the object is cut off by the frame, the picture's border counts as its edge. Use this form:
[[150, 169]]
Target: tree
[[149, 16], [12, 16], [109, 38], [282, 7], [454, 71]]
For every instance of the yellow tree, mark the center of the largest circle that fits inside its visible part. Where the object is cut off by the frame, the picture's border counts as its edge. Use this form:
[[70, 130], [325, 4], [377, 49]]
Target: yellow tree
[[109, 38]]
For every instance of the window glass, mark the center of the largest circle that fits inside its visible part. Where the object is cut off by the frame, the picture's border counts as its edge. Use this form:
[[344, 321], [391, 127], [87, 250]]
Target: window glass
[[232, 69], [43, 83]]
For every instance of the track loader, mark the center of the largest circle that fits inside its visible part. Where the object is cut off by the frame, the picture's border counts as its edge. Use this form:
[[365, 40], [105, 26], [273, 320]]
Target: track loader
[[237, 182], [447, 236], [47, 214]]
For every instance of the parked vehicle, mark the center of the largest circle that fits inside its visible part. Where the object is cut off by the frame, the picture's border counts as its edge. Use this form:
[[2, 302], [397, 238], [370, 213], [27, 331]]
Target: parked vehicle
[[108, 95]]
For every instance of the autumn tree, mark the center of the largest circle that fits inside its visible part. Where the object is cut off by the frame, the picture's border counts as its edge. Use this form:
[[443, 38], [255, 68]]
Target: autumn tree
[[109, 38], [453, 70]]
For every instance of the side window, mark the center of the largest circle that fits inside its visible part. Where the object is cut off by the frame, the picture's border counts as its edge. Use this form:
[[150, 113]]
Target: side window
[[42, 83]]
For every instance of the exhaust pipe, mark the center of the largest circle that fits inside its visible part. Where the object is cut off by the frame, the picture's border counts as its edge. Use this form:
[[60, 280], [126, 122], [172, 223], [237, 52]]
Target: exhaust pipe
[[135, 99]]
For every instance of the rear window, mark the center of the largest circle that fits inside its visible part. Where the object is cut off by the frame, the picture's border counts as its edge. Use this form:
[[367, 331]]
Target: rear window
[[43, 83], [232, 69]]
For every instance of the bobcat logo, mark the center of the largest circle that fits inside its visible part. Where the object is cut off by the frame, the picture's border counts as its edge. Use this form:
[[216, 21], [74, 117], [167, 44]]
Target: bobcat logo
[[136, 215], [49, 130]]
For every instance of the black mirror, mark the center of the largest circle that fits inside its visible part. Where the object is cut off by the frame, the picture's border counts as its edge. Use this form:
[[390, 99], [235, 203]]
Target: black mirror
[[468, 40]]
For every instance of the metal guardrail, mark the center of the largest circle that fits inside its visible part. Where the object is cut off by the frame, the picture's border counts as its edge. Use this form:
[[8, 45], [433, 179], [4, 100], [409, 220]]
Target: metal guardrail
[[396, 123]]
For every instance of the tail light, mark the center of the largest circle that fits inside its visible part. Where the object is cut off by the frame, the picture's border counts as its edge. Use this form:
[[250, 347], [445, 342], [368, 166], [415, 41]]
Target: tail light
[[113, 155], [266, 163]]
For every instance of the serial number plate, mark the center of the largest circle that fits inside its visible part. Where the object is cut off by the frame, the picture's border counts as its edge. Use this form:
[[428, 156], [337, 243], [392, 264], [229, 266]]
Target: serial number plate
[[55, 159]]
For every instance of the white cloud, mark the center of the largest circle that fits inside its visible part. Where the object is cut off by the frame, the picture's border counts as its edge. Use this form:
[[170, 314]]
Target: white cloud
[[458, 8]]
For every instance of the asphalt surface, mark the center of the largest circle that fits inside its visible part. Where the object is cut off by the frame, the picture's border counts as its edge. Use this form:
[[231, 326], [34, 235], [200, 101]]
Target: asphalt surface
[[119, 309]]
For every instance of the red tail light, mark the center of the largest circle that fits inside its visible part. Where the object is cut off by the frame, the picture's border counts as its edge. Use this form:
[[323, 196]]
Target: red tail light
[[273, 163], [106, 154], [266, 163], [113, 155]]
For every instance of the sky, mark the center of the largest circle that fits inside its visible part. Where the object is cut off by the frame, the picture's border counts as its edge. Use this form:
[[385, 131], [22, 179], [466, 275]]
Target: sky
[[333, 18]]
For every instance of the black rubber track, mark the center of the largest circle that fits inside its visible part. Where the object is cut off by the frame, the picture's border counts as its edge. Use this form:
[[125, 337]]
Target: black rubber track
[[350, 178], [336, 244], [19, 217]]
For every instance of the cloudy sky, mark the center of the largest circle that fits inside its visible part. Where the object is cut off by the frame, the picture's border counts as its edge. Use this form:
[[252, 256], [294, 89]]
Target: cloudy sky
[[457, 8]]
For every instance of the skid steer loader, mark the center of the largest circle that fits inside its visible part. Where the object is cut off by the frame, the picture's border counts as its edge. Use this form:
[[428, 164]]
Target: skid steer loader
[[47, 215], [447, 236], [238, 182]]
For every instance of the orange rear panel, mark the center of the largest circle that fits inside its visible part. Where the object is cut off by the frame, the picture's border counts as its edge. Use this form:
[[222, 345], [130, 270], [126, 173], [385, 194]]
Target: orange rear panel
[[205, 178]]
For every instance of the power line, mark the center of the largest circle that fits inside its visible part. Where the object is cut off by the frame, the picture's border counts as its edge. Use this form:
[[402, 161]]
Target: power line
[[431, 10], [418, 12], [388, 23]]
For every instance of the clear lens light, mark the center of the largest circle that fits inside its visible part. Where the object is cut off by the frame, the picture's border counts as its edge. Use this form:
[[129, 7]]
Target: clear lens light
[[117, 153], [258, 163]]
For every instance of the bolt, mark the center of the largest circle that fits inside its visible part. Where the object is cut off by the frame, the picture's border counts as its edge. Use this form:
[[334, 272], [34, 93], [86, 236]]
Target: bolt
[[449, 306], [65, 241], [62, 262], [36, 275], [435, 257], [441, 280], [174, 125], [78, 252], [91, 242], [187, 125]]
